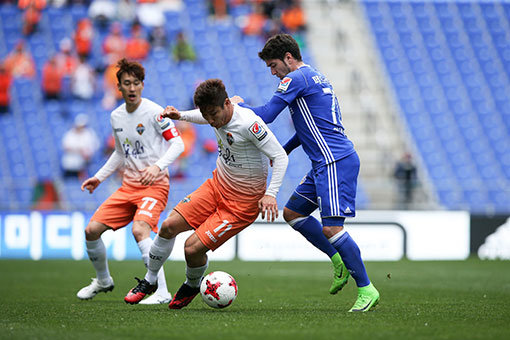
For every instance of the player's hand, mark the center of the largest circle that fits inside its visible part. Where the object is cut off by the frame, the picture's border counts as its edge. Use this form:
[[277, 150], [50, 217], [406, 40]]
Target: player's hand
[[267, 204], [90, 184], [149, 174], [171, 112], [236, 100]]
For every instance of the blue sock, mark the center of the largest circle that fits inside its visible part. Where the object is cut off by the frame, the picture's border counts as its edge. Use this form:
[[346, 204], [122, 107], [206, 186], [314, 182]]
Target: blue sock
[[311, 229], [349, 251]]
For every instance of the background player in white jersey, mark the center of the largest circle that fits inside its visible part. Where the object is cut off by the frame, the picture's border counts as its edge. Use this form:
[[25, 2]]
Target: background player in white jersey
[[145, 144], [226, 203]]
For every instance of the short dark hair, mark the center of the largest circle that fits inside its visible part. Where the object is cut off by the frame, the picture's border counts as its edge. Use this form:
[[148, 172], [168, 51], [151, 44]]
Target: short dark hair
[[210, 93], [278, 45], [130, 67]]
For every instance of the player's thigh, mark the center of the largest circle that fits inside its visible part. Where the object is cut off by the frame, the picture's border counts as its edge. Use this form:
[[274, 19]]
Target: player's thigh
[[117, 211], [199, 205], [336, 187], [173, 225], [227, 221], [150, 203], [303, 200]]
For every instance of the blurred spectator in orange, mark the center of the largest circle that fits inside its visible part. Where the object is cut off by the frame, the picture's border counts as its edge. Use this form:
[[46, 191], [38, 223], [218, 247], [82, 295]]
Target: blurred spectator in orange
[[32, 14], [83, 81], [114, 45], [52, 79], [5, 88], [19, 63], [79, 144], [255, 21], [137, 47], [183, 49], [83, 36], [111, 91], [218, 9], [210, 146], [293, 17], [66, 60], [189, 137]]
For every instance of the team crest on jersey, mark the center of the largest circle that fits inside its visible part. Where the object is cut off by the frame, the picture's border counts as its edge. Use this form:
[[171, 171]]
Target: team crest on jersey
[[186, 199], [258, 131], [230, 138], [140, 129], [284, 84]]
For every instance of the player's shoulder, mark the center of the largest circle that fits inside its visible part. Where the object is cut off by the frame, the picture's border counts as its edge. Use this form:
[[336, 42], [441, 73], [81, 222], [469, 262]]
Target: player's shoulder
[[149, 105], [249, 123], [245, 116], [119, 111]]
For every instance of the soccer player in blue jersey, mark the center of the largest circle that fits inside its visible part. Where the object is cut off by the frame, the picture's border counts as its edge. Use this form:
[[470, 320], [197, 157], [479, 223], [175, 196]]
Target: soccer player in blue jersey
[[331, 183]]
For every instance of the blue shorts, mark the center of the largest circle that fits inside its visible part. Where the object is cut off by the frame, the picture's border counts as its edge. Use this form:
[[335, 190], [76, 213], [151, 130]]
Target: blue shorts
[[331, 188]]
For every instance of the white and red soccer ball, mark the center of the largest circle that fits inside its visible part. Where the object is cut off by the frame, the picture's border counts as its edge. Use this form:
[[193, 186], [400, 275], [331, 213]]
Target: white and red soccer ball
[[218, 289]]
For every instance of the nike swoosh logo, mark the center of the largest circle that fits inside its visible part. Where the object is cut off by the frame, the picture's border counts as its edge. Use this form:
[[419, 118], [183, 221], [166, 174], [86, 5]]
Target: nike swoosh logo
[[341, 272]]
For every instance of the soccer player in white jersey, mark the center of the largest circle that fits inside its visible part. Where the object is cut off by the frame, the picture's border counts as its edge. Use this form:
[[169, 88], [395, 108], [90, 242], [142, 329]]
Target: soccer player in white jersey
[[145, 144], [224, 204]]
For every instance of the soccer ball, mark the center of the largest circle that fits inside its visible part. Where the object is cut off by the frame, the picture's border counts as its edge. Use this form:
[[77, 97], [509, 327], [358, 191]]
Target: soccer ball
[[218, 289]]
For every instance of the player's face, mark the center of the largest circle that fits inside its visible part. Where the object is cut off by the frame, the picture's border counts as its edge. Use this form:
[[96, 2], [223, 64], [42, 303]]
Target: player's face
[[278, 67], [131, 89], [217, 116]]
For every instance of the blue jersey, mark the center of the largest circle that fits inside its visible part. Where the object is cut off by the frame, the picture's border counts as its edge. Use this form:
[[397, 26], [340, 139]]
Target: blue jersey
[[316, 115]]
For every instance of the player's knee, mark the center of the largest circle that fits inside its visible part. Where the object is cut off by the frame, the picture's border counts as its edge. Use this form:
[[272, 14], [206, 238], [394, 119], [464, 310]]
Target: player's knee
[[92, 232], [168, 229], [289, 215]]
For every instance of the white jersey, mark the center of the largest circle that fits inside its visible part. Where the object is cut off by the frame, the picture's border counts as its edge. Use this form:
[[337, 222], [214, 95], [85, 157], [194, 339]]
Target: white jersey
[[141, 138], [244, 144]]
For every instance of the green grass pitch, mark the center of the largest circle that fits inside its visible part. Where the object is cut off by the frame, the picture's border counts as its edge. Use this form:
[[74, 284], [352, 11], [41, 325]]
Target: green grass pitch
[[277, 300]]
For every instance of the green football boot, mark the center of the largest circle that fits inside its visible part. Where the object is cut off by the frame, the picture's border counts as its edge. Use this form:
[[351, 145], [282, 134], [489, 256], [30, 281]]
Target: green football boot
[[368, 298], [340, 274]]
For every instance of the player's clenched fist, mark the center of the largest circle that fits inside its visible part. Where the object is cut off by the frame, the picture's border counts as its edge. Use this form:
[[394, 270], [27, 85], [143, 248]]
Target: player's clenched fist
[[171, 112]]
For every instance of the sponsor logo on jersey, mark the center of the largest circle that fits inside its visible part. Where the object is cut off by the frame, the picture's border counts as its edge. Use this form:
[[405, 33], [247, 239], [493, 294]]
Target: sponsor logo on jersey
[[284, 84], [163, 123], [230, 138], [140, 129], [117, 129], [186, 199], [258, 131]]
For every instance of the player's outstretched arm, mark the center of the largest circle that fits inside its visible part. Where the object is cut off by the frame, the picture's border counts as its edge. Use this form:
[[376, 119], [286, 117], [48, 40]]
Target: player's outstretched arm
[[90, 184]]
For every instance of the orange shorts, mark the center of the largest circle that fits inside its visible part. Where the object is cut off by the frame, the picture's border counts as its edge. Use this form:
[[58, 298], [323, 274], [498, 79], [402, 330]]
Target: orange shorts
[[214, 218], [133, 204]]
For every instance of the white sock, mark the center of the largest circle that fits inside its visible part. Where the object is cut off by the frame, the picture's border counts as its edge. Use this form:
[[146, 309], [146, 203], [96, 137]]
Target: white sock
[[160, 250], [97, 255], [145, 246], [335, 237], [194, 275]]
